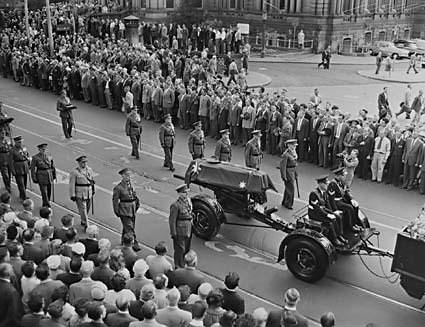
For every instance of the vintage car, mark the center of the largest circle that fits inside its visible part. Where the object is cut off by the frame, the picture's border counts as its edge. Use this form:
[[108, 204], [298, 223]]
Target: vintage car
[[388, 49]]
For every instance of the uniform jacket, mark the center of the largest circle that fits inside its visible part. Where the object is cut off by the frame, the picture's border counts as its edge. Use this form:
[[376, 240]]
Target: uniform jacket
[[124, 200], [62, 106], [11, 309], [337, 192], [287, 166], [180, 219], [412, 152], [43, 169], [167, 135], [253, 154], [223, 150], [319, 204], [19, 158], [81, 183], [196, 143], [133, 125], [5, 148]]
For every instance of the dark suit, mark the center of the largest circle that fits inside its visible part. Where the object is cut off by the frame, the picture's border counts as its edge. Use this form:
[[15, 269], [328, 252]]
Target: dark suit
[[10, 305], [59, 233], [33, 252], [366, 148], [103, 274], [314, 140], [411, 159], [283, 318], [383, 105], [288, 174], [119, 319], [337, 141], [232, 300], [186, 276], [273, 128], [32, 320], [301, 133], [68, 278], [92, 246], [396, 165]]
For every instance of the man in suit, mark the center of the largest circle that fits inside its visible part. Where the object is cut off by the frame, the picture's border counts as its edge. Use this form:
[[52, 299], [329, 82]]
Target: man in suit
[[73, 276], [396, 165], [157, 97], [253, 153], [133, 129], [146, 99], [167, 140], [20, 160], [288, 316], [172, 316], [418, 103], [81, 188], [340, 130], [43, 172], [47, 286], [189, 275], [235, 121], [126, 203], [366, 147], [273, 129], [91, 242], [196, 141], [232, 300], [411, 159], [383, 103], [149, 314], [314, 137], [122, 317], [82, 289], [103, 273], [300, 133], [168, 99], [31, 251], [11, 309]]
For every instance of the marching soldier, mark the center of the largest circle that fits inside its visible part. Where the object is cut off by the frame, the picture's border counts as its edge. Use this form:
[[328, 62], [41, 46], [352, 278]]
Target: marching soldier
[[253, 153], [65, 108], [5, 167], [43, 173], [81, 188], [223, 148], [180, 222], [126, 203], [133, 129], [5, 121], [167, 139], [288, 172], [20, 160], [196, 142]]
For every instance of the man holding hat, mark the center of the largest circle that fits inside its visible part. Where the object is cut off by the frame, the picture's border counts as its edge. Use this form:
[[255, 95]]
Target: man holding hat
[[43, 173], [81, 188], [5, 167], [126, 203], [167, 139], [133, 129], [20, 160], [180, 221], [253, 153], [196, 142], [223, 148], [64, 106], [288, 172]]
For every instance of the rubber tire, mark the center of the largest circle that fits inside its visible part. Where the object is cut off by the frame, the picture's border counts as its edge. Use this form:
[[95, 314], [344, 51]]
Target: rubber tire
[[321, 257], [201, 207]]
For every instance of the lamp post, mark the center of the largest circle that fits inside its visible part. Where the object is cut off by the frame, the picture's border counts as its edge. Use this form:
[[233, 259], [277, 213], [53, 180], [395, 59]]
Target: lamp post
[[49, 28], [263, 45], [27, 26]]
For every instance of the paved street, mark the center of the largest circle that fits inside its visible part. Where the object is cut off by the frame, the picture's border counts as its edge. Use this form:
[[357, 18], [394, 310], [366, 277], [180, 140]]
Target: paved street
[[251, 252]]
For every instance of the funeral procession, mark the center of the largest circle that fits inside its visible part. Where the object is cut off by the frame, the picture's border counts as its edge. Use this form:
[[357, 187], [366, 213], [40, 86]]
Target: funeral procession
[[202, 163]]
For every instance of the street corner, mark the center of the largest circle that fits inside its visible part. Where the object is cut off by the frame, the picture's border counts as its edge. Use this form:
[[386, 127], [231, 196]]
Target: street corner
[[398, 76], [256, 80]]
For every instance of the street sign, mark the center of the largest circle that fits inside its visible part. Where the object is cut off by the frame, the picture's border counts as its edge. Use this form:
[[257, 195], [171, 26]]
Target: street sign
[[243, 28]]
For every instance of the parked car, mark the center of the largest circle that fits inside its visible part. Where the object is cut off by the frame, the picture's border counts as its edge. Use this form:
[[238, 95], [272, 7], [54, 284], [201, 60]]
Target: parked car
[[388, 49], [409, 45]]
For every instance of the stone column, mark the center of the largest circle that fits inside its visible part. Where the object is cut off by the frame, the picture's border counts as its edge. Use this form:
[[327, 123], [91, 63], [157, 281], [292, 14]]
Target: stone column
[[333, 7], [291, 6]]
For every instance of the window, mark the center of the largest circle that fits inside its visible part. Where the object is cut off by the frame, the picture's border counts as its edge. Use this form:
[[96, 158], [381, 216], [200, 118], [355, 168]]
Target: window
[[196, 3], [282, 4], [170, 4], [142, 3], [232, 4], [407, 34], [368, 38]]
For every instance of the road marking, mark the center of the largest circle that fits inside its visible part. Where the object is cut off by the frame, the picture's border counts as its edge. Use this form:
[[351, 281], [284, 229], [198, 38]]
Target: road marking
[[125, 160], [183, 164], [111, 148], [79, 141]]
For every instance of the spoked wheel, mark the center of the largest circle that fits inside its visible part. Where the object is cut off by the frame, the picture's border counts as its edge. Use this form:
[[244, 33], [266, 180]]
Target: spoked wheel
[[205, 222], [306, 260]]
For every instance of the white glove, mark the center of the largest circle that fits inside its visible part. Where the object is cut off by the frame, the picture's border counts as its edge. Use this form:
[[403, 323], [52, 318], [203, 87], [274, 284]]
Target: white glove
[[331, 216], [354, 203]]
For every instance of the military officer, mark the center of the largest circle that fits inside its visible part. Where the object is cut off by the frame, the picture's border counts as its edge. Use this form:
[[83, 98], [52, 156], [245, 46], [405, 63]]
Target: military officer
[[126, 203], [288, 172], [5, 167], [81, 188], [167, 139], [133, 129], [196, 142], [64, 106], [20, 160], [223, 148], [43, 173], [253, 153], [320, 208], [180, 221]]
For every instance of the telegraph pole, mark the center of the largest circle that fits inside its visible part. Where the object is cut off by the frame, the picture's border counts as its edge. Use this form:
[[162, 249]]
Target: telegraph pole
[[263, 44], [27, 25], [49, 28]]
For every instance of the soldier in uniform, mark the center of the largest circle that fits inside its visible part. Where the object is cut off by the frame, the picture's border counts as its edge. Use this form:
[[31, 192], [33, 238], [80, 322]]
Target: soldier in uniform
[[43, 172], [133, 129], [253, 153], [126, 203], [81, 188], [20, 160], [320, 208], [288, 172], [65, 108], [5, 167], [167, 139], [223, 148], [180, 221], [196, 142]]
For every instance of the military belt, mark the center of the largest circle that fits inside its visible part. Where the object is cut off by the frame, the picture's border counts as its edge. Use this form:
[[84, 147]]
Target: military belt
[[128, 201], [43, 168], [199, 143], [290, 166], [184, 219], [255, 155], [225, 151], [82, 184], [169, 134]]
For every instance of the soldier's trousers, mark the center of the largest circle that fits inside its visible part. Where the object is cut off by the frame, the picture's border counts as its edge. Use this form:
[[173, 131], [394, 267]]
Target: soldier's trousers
[[67, 124], [83, 206], [46, 193], [5, 174], [21, 181], [128, 225], [168, 160], [135, 139], [181, 246], [289, 193]]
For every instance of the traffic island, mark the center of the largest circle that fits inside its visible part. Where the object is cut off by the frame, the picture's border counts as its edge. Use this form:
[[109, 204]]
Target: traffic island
[[397, 76]]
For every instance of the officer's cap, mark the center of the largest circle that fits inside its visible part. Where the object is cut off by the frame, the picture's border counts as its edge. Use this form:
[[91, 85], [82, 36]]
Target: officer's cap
[[82, 158], [322, 178], [291, 141], [182, 188], [338, 171], [224, 131], [124, 171], [18, 138], [198, 123], [42, 146], [167, 116], [256, 132]]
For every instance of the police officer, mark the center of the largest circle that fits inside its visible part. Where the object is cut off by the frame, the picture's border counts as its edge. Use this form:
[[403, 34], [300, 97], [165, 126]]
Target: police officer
[[167, 140], [43, 173], [253, 153], [320, 208], [223, 148], [126, 203], [20, 160], [5, 167], [133, 129], [288, 172], [64, 106], [196, 142], [81, 188], [180, 221]]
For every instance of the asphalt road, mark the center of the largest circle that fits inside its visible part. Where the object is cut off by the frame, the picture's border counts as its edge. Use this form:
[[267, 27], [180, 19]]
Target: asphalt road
[[350, 290]]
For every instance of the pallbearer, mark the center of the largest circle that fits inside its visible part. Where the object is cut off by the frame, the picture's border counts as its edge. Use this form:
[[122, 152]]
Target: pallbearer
[[20, 159], [43, 173], [167, 139]]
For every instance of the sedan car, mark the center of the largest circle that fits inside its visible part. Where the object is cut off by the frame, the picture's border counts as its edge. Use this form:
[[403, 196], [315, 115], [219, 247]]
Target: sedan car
[[410, 46], [389, 49]]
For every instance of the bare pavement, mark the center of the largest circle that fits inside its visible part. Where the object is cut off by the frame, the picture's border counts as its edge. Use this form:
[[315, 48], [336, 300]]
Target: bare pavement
[[353, 293]]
